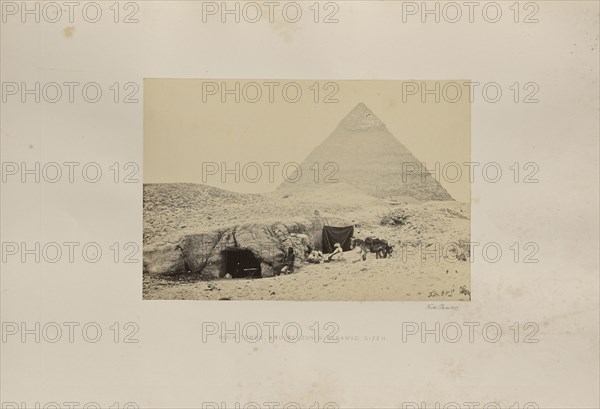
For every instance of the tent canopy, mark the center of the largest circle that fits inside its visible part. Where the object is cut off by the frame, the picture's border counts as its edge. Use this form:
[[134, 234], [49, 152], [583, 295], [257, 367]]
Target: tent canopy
[[332, 235]]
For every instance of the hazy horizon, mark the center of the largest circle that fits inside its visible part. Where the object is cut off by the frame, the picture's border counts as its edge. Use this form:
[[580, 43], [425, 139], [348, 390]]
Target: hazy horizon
[[179, 118]]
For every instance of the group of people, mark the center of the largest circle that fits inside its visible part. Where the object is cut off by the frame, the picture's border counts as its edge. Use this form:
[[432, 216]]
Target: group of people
[[317, 257], [314, 257]]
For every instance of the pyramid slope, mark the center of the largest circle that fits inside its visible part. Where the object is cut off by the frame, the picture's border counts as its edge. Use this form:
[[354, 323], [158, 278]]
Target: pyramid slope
[[363, 153]]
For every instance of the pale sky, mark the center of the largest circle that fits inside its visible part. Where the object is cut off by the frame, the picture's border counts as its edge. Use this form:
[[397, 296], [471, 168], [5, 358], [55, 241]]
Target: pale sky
[[186, 124]]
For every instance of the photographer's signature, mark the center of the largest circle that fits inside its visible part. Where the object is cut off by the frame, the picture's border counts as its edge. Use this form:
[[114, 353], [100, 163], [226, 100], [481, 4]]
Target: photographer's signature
[[441, 307]]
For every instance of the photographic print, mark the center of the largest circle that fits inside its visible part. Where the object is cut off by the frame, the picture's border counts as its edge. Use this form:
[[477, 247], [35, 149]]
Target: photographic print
[[306, 190]]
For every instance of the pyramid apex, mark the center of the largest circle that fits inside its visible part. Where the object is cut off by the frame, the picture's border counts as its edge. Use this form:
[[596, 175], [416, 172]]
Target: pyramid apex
[[361, 107], [361, 118]]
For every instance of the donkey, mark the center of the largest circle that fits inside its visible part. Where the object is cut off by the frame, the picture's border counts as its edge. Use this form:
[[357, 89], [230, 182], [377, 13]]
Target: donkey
[[380, 247]]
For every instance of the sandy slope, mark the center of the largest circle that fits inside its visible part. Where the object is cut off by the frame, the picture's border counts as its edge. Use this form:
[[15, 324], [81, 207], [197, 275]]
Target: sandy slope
[[372, 280]]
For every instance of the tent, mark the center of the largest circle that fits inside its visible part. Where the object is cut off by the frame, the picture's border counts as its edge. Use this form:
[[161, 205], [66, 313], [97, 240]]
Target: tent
[[332, 235]]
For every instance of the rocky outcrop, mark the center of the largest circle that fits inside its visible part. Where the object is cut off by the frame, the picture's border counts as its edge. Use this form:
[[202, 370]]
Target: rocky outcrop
[[166, 259], [201, 253]]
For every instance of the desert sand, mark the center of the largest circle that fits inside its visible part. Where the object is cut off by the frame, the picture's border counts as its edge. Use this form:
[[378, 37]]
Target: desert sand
[[413, 228]]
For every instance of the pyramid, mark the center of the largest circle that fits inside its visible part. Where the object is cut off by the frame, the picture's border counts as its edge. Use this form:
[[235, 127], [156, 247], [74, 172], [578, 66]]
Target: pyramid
[[365, 155]]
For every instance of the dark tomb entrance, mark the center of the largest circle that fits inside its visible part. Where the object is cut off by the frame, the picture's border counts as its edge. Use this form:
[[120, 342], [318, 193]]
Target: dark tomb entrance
[[240, 264]]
